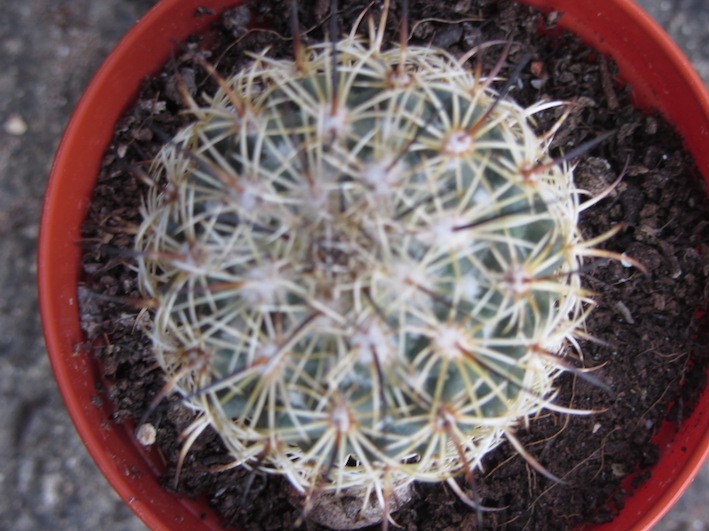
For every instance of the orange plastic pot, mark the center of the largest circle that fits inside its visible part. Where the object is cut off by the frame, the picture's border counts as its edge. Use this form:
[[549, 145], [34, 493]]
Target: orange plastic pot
[[660, 75]]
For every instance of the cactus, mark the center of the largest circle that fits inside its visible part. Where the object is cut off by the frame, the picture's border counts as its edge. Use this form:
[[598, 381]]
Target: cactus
[[364, 266]]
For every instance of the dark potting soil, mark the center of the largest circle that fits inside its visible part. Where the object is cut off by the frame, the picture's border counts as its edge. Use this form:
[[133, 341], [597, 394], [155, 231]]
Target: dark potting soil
[[649, 349]]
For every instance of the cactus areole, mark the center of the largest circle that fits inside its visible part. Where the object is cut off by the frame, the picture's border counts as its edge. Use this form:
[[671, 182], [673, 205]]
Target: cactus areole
[[363, 266]]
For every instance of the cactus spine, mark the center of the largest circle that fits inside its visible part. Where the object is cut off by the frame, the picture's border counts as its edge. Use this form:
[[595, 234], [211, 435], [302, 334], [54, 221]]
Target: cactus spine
[[363, 266]]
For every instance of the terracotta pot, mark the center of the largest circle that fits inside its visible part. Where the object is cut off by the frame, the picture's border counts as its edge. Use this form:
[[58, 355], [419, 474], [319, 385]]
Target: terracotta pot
[[661, 76]]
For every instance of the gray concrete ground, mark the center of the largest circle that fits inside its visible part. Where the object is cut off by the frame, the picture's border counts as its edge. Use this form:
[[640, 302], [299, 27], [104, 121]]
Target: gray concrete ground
[[48, 51]]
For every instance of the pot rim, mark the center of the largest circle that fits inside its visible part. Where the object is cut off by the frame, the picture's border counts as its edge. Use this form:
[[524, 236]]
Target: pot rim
[[131, 469]]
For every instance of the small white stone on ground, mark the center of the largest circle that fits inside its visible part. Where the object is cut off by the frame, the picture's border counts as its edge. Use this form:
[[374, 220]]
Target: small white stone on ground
[[15, 125]]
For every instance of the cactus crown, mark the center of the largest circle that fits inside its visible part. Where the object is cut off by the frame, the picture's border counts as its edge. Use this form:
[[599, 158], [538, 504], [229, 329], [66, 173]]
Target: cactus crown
[[363, 266]]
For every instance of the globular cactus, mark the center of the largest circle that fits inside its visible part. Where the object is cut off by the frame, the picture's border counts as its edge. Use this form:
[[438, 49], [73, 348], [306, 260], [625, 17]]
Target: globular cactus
[[364, 265]]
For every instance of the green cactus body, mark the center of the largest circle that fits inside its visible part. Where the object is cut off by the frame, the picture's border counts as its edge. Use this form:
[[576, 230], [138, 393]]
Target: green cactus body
[[360, 274]]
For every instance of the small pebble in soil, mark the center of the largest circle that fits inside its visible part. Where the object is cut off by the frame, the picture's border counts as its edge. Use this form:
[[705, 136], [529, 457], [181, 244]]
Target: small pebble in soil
[[146, 434]]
